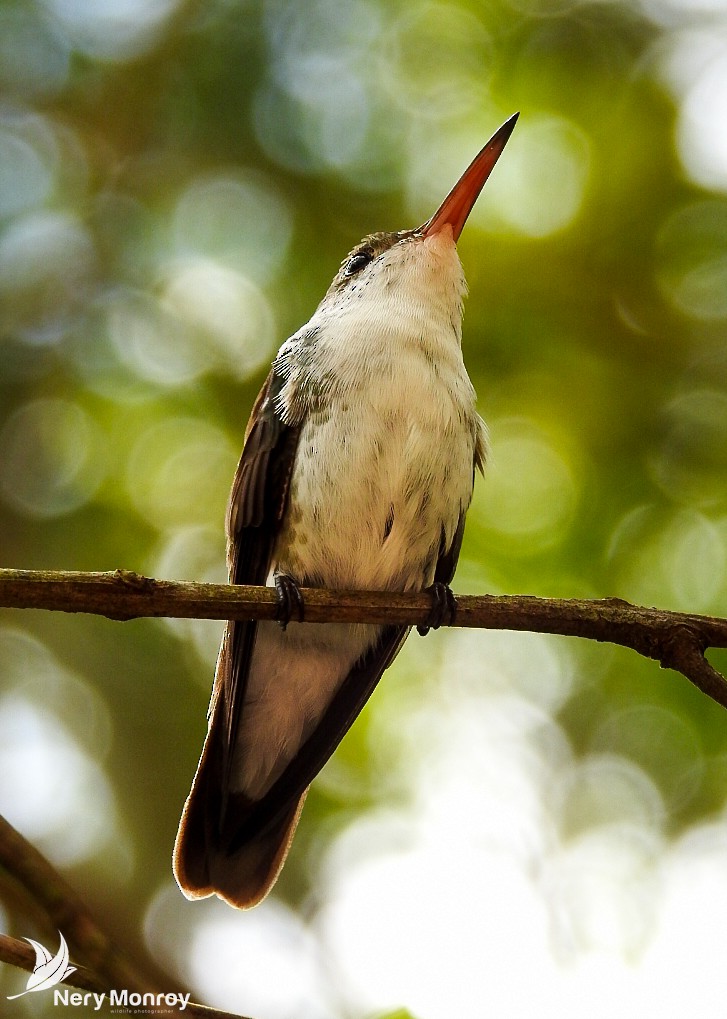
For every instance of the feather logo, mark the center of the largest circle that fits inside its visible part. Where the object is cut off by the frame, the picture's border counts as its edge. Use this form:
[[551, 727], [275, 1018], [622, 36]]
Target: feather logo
[[48, 970]]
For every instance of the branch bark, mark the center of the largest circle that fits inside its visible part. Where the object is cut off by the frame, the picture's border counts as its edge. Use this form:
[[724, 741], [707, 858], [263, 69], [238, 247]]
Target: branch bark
[[677, 640]]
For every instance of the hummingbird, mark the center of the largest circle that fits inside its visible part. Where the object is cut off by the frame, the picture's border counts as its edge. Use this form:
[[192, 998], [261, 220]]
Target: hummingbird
[[357, 471]]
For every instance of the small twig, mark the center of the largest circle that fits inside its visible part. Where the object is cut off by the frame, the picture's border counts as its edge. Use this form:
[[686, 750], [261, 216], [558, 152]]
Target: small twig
[[684, 651], [675, 639]]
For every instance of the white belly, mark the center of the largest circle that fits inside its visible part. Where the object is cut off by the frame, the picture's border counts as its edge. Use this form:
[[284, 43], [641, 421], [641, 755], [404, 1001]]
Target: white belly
[[374, 488]]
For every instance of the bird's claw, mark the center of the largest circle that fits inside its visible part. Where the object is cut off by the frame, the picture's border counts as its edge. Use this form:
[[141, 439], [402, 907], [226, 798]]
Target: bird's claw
[[289, 598], [443, 610]]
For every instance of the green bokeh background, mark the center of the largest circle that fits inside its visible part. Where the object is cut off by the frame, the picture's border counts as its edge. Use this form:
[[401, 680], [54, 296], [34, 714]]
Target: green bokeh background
[[178, 185]]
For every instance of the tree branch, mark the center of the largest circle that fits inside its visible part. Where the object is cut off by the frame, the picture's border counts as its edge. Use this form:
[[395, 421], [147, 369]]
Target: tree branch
[[677, 640]]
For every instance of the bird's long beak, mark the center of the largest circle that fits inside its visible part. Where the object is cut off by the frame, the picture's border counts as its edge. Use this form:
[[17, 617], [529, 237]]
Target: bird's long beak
[[457, 206]]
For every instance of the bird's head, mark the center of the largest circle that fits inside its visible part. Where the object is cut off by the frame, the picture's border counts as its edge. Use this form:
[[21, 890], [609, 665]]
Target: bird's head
[[423, 261]]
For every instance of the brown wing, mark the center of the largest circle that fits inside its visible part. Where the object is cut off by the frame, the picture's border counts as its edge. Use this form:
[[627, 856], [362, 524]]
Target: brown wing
[[257, 503]]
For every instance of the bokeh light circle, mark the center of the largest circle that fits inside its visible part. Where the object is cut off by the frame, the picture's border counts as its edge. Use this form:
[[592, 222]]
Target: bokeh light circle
[[51, 458]]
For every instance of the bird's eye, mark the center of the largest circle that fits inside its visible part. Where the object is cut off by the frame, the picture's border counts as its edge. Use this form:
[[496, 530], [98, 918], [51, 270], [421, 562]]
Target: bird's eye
[[356, 263]]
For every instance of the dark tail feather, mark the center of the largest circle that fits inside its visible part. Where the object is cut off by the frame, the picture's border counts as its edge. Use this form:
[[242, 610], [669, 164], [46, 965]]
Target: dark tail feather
[[203, 861], [234, 847]]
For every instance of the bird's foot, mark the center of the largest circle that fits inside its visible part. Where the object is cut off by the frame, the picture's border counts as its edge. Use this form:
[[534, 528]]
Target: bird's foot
[[289, 599], [443, 610]]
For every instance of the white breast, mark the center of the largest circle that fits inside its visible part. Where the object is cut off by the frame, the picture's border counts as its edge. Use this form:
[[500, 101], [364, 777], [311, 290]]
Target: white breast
[[389, 428]]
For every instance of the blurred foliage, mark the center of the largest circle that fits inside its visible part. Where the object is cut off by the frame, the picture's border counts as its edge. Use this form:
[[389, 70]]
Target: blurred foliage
[[178, 184]]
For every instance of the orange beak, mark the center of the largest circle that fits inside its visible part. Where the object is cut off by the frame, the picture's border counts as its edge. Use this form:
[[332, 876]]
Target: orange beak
[[457, 206]]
